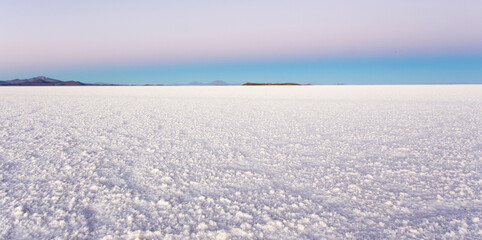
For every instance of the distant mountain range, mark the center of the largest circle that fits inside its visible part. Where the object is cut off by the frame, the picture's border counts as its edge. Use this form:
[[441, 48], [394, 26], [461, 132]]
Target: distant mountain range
[[214, 83], [42, 81], [45, 81]]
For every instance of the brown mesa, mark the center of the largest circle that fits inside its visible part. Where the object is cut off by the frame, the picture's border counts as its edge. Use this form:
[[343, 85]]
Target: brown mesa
[[270, 84]]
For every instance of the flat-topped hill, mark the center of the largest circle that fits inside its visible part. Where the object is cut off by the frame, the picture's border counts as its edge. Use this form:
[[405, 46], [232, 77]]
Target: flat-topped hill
[[269, 84]]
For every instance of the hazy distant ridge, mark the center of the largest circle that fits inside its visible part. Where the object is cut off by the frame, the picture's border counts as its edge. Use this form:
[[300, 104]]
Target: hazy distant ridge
[[42, 81], [45, 81]]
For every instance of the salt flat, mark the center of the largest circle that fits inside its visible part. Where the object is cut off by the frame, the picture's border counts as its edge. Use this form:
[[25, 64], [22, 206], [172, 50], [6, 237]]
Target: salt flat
[[290, 162]]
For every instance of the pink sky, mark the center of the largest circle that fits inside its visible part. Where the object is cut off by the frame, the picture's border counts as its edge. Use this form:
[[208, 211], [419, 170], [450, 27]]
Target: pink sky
[[56, 33]]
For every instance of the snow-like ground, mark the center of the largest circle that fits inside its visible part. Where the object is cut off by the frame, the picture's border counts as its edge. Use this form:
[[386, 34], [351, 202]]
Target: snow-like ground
[[292, 162]]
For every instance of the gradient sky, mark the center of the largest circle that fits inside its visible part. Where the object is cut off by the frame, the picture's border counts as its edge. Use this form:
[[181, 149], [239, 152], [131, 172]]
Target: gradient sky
[[137, 42]]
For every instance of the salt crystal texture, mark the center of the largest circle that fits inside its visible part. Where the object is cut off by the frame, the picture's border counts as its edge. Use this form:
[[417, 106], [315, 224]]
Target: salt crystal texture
[[288, 162]]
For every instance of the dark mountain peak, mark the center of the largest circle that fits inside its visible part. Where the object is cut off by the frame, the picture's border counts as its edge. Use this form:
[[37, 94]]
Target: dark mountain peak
[[42, 78]]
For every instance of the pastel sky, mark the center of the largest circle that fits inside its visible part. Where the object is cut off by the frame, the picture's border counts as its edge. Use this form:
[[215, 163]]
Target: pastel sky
[[324, 41]]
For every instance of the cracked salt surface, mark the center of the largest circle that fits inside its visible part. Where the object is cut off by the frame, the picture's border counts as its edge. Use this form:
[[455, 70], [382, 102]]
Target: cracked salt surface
[[330, 162]]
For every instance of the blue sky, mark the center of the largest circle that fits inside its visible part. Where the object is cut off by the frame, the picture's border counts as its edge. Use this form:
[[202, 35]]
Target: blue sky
[[169, 42], [408, 70]]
